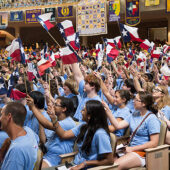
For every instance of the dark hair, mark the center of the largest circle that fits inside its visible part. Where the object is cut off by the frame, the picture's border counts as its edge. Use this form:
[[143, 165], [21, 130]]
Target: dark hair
[[53, 88], [75, 101], [149, 76], [148, 100], [18, 112], [21, 87], [60, 83], [129, 83], [124, 94], [93, 81], [66, 102], [98, 119], [38, 98]]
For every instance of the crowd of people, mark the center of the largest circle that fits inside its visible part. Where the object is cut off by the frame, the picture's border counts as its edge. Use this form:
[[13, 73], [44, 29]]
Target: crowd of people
[[82, 103]]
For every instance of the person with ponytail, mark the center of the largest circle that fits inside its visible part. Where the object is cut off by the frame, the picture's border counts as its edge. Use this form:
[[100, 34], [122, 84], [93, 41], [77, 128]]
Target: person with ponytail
[[162, 100], [147, 133]]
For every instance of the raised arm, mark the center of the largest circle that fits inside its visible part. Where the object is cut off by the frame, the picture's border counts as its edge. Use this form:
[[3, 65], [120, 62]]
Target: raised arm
[[78, 76], [117, 124], [42, 120], [105, 91], [54, 125]]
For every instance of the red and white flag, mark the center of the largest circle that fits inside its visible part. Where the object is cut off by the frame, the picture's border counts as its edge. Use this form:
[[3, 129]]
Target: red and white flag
[[145, 44], [67, 31], [115, 42], [43, 64], [44, 20], [111, 51], [68, 56], [156, 54]]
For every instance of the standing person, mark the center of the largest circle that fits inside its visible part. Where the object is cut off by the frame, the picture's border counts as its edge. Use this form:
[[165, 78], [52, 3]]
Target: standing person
[[146, 136], [22, 153]]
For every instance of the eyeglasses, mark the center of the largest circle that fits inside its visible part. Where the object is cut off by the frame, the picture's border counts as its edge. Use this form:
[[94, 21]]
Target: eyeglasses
[[158, 90], [137, 100], [57, 105]]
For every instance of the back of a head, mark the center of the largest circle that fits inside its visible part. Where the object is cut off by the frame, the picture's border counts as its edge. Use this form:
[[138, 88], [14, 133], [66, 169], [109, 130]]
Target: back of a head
[[67, 102], [129, 83], [18, 112], [97, 114], [53, 87], [75, 101], [21, 88], [38, 98]]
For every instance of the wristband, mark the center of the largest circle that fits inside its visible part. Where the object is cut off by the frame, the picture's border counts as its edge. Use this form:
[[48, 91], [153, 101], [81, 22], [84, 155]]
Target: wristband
[[54, 122]]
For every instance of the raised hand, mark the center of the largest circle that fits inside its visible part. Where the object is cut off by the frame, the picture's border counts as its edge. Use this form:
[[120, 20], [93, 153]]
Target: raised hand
[[30, 102]]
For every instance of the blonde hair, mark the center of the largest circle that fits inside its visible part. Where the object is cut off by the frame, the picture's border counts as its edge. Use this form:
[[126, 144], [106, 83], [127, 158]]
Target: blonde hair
[[165, 99], [72, 85], [149, 87]]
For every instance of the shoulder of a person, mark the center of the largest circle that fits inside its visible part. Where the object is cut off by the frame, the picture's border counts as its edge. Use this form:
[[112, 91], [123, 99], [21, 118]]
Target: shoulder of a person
[[166, 108], [67, 120], [100, 131], [152, 117]]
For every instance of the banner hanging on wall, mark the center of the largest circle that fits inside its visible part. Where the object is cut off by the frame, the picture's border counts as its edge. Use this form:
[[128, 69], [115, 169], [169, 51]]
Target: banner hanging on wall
[[53, 16], [16, 16], [3, 20], [91, 17], [114, 10], [31, 15], [132, 16], [167, 5], [65, 12], [151, 2]]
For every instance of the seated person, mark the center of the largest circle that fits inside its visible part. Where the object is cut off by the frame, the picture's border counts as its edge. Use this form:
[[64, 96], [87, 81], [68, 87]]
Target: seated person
[[22, 152], [93, 139], [122, 111], [146, 136], [55, 146]]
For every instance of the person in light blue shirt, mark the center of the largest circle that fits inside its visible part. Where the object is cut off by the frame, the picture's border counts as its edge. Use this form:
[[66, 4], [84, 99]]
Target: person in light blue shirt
[[84, 98], [63, 108], [162, 99], [22, 153], [93, 139], [121, 99], [147, 135], [88, 89], [129, 85], [3, 136], [56, 146], [32, 121], [70, 88], [3, 100]]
